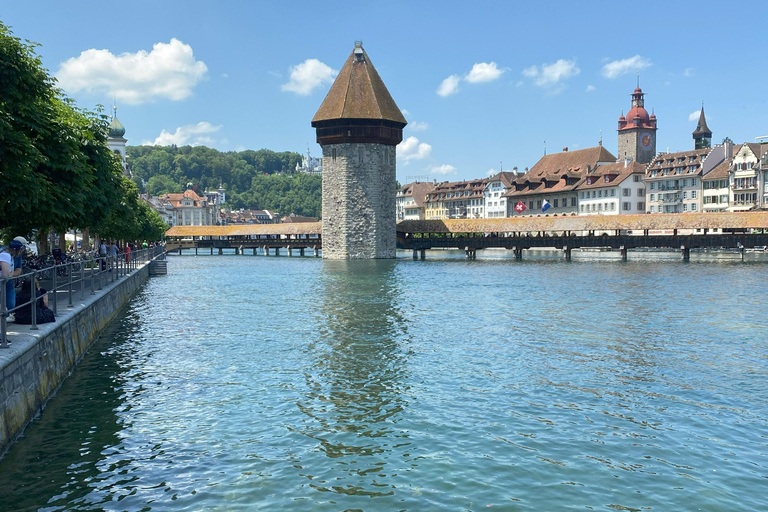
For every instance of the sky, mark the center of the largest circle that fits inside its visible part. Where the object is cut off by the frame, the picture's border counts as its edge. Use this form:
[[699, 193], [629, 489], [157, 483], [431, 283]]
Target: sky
[[485, 86]]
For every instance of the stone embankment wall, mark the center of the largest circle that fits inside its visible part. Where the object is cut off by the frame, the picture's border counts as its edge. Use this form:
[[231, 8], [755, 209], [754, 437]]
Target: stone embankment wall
[[37, 362]]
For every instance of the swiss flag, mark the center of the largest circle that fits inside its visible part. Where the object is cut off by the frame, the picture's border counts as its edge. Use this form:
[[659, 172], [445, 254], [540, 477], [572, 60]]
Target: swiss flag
[[520, 207]]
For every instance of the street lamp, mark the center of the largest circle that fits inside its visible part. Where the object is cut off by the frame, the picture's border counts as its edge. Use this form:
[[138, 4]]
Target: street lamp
[[761, 140]]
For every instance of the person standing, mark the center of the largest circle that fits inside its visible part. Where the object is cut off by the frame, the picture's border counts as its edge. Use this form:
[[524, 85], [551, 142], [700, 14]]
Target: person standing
[[7, 267], [103, 254], [113, 253]]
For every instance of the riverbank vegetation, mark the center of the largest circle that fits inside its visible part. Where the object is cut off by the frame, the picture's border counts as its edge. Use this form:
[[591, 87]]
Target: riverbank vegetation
[[56, 171]]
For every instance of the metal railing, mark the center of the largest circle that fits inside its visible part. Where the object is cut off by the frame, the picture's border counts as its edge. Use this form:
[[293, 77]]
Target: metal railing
[[64, 281]]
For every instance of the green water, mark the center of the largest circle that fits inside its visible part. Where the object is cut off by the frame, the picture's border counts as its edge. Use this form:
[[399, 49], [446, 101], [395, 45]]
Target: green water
[[253, 383]]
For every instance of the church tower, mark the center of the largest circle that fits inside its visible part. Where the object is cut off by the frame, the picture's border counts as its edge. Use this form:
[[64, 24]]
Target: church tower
[[116, 140], [358, 127], [637, 131], [702, 135]]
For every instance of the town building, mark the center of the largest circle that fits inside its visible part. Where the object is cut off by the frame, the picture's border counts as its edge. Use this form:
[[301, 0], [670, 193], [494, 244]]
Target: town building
[[613, 189], [550, 185], [410, 198], [186, 209], [456, 200], [494, 198], [358, 127], [637, 131], [310, 165], [746, 180], [715, 188], [673, 181], [248, 216], [116, 140]]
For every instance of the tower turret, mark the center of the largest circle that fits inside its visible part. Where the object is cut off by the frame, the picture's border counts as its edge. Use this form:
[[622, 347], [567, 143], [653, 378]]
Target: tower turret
[[116, 139], [358, 126], [702, 135], [637, 131]]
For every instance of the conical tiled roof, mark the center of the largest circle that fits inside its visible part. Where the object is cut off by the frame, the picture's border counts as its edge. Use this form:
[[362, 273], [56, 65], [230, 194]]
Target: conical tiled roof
[[702, 130], [358, 93]]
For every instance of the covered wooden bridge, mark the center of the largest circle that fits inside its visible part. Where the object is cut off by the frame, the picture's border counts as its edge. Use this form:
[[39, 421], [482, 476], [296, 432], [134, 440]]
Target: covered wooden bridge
[[685, 231], [298, 236]]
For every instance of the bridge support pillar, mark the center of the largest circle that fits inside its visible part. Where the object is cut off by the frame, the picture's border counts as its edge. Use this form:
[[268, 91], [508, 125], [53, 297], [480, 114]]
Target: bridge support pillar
[[277, 251], [623, 250], [518, 252], [266, 251], [423, 253], [195, 250], [567, 253], [415, 254], [685, 252], [471, 253], [221, 251], [301, 252], [254, 251]]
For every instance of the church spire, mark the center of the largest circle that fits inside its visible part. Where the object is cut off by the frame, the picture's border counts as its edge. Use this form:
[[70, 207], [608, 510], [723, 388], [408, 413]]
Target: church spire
[[702, 135]]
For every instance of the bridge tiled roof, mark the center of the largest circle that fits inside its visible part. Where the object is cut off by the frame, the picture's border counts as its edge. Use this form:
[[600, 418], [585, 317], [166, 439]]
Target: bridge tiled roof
[[294, 228], [745, 220]]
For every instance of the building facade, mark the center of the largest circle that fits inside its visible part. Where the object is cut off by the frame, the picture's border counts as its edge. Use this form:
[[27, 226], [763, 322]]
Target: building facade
[[613, 189], [410, 200]]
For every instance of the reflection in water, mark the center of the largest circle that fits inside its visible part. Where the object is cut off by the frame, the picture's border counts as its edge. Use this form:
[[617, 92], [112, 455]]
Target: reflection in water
[[75, 449], [355, 392]]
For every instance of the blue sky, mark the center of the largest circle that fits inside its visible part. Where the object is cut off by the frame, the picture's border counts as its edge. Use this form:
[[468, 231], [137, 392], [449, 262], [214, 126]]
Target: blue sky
[[483, 86]]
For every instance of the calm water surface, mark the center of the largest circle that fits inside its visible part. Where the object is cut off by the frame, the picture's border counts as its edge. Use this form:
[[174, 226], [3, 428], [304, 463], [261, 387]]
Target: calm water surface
[[253, 383]]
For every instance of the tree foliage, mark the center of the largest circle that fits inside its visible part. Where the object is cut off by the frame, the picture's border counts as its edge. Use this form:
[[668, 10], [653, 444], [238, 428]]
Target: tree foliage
[[56, 169], [260, 179]]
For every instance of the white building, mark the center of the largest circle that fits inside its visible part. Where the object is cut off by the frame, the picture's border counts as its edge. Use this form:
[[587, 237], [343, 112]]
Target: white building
[[409, 200], [116, 140], [495, 201], [310, 165], [746, 180], [613, 189]]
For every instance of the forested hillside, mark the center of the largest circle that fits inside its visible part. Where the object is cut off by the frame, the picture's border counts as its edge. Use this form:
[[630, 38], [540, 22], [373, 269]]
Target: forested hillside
[[260, 179]]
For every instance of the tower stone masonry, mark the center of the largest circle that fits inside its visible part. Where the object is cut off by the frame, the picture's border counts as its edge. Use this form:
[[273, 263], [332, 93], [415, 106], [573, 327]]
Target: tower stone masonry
[[358, 127]]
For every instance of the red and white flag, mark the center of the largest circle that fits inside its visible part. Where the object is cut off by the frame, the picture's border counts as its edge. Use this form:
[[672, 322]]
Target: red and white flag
[[520, 207]]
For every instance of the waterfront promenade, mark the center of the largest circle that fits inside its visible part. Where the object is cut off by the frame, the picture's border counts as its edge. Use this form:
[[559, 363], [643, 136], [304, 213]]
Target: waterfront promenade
[[35, 359]]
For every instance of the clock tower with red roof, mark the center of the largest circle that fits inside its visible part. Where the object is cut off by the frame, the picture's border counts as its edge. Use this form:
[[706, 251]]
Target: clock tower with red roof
[[637, 131]]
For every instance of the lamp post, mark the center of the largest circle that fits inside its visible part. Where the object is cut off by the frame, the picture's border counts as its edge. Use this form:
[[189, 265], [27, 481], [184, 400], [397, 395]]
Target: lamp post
[[761, 140]]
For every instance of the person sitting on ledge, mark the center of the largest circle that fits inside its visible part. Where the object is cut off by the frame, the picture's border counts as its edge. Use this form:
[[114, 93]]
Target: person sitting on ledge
[[24, 313]]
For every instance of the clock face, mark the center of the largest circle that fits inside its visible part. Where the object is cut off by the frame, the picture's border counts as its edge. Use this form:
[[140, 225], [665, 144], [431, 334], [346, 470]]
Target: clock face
[[645, 138]]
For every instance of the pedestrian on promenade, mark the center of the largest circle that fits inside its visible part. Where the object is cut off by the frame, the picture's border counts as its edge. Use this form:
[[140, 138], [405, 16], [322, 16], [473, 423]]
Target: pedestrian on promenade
[[9, 255]]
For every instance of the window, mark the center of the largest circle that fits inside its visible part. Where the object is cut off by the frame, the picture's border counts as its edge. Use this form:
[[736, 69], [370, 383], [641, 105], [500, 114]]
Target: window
[[554, 203], [606, 179], [641, 192], [582, 195], [626, 192], [653, 197], [685, 207], [599, 193], [685, 194], [694, 182], [573, 201], [637, 178], [653, 185], [582, 208], [693, 194], [626, 206], [640, 206], [538, 204], [613, 192]]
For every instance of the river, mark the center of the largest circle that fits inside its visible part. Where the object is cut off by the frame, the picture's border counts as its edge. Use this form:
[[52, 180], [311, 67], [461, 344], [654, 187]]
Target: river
[[274, 383]]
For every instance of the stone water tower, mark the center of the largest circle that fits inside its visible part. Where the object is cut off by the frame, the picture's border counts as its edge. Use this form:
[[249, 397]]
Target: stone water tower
[[358, 127]]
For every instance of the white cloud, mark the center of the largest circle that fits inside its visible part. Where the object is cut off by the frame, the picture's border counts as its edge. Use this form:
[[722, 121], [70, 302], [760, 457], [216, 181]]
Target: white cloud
[[307, 76], [617, 68], [192, 134], [694, 116], [590, 88], [491, 172], [412, 149], [689, 72], [551, 76], [417, 126], [443, 169], [483, 72], [168, 71], [449, 86]]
